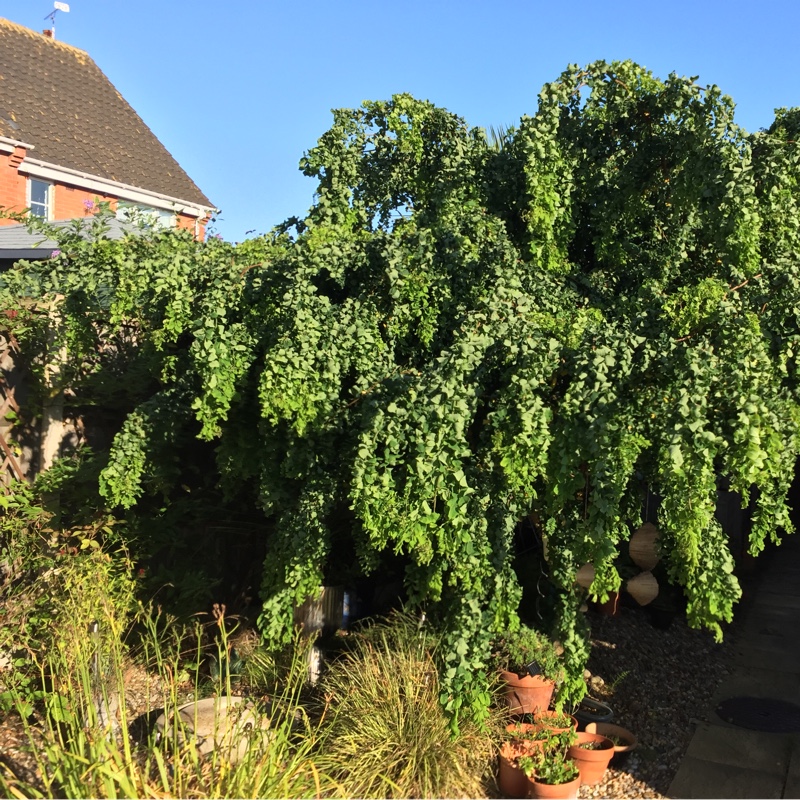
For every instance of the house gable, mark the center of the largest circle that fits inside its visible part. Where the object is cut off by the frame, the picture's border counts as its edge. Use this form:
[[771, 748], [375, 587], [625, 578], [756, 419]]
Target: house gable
[[63, 122]]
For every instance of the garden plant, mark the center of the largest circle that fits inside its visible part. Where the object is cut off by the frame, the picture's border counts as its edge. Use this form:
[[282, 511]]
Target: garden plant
[[461, 333]]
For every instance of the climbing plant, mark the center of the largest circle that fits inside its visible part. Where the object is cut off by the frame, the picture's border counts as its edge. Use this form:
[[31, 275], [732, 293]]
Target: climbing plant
[[461, 333]]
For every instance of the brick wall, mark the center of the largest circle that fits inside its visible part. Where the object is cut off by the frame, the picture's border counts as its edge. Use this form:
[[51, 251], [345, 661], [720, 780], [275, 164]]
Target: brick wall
[[189, 224], [12, 184], [68, 201]]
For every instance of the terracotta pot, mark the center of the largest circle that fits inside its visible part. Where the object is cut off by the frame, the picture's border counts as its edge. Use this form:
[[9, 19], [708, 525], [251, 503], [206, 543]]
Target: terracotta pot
[[559, 790], [520, 728], [527, 694], [510, 778], [544, 720], [628, 741], [591, 763]]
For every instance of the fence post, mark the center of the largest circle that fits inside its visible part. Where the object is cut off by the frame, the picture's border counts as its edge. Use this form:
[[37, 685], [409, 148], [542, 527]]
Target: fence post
[[10, 468], [52, 431]]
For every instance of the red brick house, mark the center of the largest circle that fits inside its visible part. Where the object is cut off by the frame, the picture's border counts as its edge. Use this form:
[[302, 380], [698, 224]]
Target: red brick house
[[69, 139]]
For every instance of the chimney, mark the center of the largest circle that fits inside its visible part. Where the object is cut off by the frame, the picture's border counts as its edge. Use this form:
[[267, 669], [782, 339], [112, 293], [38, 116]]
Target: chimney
[[48, 32], [17, 157]]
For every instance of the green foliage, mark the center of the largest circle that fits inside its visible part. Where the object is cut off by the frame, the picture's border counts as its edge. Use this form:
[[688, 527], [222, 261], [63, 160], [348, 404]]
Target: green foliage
[[525, 732], [387, 734], [550, 763], [52, 579], [80, 728], [457, 335], [554, 720], [515, 650]]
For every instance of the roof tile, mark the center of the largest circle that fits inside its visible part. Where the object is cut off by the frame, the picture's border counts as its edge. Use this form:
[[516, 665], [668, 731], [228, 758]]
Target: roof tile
[[53, 96]]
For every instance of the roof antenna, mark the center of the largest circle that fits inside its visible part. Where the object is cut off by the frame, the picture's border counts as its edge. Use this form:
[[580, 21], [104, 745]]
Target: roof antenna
[[52, 17]]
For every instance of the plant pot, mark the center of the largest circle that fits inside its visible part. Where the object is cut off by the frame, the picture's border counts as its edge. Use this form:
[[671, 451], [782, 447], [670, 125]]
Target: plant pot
[[591, 763], [661, 616], [527, 694], [520, 728], [627, 743], [550, 790], [591, 710], [544, 720], [512, 781], [229, 725]]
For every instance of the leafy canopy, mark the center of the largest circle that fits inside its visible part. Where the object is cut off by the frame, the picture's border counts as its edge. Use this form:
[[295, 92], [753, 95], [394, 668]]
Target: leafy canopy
[[459, 334]]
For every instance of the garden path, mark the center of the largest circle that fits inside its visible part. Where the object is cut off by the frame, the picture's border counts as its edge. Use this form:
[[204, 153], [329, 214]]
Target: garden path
[[733, 761]]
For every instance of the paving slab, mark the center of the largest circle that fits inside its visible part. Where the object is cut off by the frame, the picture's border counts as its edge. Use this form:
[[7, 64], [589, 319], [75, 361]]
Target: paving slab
[[725, 760], [739, 746], [781, 637], [786, 583], [782, 559], [780, 655], [792, 785], [785, 567], [770, 598], [698, 778], [759, 682], [770, 620]]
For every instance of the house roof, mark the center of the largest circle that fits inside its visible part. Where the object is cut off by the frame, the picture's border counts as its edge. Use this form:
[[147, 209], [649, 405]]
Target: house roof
[[54, 97]]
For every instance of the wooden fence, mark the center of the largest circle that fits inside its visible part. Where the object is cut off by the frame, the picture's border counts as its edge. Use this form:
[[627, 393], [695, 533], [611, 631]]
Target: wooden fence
[[10, 466]]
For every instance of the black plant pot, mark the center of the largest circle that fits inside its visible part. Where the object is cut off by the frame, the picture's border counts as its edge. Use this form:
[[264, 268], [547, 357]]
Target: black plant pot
[[591, 710]]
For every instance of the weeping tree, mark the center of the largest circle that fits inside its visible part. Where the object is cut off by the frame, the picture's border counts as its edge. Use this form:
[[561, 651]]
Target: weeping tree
[[461, 333]]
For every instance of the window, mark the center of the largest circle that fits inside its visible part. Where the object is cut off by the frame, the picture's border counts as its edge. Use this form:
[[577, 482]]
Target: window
[[145, 216], [40, 199]]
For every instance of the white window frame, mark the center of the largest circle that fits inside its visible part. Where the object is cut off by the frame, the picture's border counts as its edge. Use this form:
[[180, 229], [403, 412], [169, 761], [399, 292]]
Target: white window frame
[[37, 168], [48, 217], [146, 216]]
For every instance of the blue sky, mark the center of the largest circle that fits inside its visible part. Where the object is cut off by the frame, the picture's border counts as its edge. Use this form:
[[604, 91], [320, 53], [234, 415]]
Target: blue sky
[[237, 91]]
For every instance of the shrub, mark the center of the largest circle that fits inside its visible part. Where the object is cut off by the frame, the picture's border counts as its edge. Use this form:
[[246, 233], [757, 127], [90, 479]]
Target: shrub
[[79, 720], [515, 650], [387, 734]]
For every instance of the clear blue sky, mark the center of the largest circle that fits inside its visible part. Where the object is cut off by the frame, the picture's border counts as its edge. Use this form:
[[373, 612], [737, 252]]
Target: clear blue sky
[[237, 91]]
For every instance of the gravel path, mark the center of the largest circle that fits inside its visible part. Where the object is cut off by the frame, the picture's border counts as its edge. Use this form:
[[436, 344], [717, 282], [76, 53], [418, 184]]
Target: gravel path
[[659, 683]]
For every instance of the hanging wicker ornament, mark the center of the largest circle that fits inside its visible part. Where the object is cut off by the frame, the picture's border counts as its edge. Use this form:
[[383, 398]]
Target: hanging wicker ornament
[[643, 546], [585, 576], [643, 588]]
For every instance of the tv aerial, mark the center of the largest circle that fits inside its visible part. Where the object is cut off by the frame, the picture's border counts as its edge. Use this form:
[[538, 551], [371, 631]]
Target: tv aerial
[[57, 6]]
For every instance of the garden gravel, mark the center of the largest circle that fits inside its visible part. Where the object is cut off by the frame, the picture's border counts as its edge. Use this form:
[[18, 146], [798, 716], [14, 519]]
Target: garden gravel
[[659, 684]]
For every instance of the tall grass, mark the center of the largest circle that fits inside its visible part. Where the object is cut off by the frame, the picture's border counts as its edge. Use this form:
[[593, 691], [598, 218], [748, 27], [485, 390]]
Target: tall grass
[[388, 735], [94, 667], [82, 735]]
